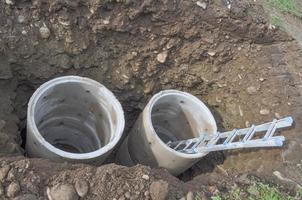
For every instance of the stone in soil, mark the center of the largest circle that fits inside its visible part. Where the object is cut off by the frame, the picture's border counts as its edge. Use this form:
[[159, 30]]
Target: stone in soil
[[62, 192], [159, 190], [13, 189], [3, 172], [81, 187], [44, 32], [161, 57]]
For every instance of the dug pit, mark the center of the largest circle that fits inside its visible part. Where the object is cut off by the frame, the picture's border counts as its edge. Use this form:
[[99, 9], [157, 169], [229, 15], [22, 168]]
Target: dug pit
[[214, 54]]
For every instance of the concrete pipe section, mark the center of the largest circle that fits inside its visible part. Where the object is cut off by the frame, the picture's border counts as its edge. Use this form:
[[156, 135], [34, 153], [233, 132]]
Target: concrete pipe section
[[170, 115], [75, 119]]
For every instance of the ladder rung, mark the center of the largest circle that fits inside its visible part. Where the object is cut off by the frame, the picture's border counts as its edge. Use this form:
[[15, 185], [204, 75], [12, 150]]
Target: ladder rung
[[180, 143], [249, 132], [234, 133], [213, 140], [187, 145], [271, 129]]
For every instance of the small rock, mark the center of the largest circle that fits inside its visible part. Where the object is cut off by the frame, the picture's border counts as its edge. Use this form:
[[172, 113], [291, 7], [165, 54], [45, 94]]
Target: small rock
[[134, 53], [277, 115], [81, 187], [121, 198], [146, 194], [251, 90], [211, 53], [11, 174], [264, 111], [203, 5], [9, 2], [216, 69], [106, 22], [13, 189], [127, 195], [261, 79], [21, 19], [159, 190], [146, 177], [149, 86], [44, 32], [26, 197], [62, 192], [162, 57], [190, 196], [3, 172], [247, 124], [24, 32]]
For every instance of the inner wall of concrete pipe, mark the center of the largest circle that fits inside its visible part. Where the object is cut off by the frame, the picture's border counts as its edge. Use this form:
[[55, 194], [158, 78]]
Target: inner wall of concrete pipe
[[170, 115], [173, 119], [74, 118]]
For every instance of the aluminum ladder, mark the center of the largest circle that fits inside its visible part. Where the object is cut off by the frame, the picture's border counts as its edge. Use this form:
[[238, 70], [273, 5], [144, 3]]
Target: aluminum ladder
[[254, 136]]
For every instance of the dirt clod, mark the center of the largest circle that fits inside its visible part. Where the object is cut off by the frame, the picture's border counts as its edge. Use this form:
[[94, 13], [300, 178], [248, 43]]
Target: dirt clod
[[62, 192], [159, 190], [44, 31], [81, 187], [3, 172], [13, 189]]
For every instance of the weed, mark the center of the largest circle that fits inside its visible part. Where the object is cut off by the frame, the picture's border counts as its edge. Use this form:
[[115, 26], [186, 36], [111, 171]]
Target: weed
[[288, 6]]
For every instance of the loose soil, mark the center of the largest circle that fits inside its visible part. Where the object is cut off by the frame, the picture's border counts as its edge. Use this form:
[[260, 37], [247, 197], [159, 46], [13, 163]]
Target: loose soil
[[234, 60]]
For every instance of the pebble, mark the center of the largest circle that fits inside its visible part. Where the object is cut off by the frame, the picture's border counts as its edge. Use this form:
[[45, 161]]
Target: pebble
[[203, 5], [106, 22], [190, 196], [159, 190], [146, 177], [21, 19], [9, 2], [81, 187], [13, 189], [277, 115], [44, 32], [247, 124], [149, 87], [211, 53], [3, 172], [121, 198], [264, 111], [280, 176], [127, 195], [261, 79], [147, 193], [251, 90], [162, 57], [216, 69], [62, 192]]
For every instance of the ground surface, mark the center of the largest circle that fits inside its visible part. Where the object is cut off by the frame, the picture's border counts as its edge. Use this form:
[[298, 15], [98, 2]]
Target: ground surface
[[246, 70]]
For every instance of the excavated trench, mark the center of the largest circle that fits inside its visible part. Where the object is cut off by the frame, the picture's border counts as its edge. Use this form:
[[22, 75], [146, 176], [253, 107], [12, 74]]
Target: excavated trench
[[25, 91], [224, 57]]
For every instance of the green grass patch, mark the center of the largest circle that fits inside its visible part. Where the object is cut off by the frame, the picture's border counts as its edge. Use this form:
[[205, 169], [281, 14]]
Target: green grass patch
[[277, 22], [287, 6], [255, 192]]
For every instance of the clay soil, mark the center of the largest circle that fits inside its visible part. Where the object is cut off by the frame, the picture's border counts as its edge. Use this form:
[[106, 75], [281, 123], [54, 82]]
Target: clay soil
[[246, 71]]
